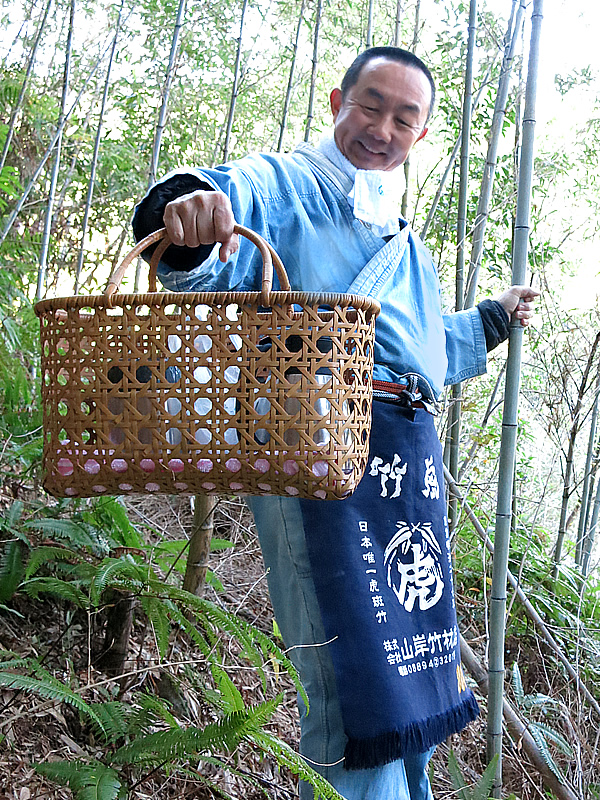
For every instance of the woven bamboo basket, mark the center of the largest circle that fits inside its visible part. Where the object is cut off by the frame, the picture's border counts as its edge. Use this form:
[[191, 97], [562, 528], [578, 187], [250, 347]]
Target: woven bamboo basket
[[218, 392]]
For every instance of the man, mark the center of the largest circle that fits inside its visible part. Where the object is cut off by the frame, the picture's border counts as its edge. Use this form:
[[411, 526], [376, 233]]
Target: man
[[362, 590]]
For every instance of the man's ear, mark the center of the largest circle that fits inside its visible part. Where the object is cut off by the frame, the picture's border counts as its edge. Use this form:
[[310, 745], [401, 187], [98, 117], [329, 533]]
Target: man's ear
[[335, 102], [422, 135]]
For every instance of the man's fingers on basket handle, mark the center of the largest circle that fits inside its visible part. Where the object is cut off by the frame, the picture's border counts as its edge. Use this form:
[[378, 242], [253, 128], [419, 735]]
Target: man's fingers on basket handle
[[223, 222], [201, 217]]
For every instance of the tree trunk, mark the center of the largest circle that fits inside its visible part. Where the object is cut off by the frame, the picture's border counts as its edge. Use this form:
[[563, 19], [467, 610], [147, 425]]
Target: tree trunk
[[119, 620], [413, 48], [202, 530], [510, 416]]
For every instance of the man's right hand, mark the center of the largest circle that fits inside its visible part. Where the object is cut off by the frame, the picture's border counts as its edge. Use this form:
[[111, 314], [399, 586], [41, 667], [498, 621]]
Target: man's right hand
[[202, 218]]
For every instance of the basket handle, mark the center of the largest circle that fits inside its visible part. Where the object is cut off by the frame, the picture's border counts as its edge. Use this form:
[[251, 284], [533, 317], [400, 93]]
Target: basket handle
[[268, 253]]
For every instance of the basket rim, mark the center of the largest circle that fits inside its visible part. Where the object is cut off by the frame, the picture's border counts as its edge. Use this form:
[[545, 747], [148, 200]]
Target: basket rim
[[161, 299]]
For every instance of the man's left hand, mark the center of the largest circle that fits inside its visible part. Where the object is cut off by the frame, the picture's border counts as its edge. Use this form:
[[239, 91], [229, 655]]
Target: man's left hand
[[518, 302]]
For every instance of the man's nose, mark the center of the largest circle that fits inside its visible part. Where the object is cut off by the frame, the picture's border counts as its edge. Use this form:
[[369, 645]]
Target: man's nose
[[382, 128]]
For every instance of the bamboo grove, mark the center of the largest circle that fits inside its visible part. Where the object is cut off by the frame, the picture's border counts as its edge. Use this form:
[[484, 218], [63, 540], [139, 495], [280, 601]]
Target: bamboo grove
[[97, 101]]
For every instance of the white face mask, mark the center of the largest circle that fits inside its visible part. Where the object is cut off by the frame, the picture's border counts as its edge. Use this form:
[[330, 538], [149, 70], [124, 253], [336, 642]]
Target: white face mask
[[376, 196]]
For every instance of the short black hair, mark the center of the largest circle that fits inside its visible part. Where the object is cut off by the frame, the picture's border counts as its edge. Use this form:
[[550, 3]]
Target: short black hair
[[392, 54]]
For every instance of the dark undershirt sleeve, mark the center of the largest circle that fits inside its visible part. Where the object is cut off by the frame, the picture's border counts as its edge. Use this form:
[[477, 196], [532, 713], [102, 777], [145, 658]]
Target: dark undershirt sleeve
[[496, 323], [148, 217]]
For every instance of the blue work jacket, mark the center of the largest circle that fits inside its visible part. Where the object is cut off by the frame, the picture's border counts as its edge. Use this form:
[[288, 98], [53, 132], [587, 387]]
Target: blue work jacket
[[298, 203]]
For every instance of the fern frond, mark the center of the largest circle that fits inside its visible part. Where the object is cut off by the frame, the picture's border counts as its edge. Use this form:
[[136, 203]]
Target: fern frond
[[192, 631], [11, 569], [47, 555], [481, 791], [88, 781], [114, 717], [15, 662], [287, 757], [72, 532], [257, 647], [554, 736], [49, 687], [229, 696], [157, 612], [517, 684], [109, 514], [13, 516], [151, 710], [56, 587], [180, 743], [124, 568], [456, 776], [540, 740], [215, 788], [539, 700]]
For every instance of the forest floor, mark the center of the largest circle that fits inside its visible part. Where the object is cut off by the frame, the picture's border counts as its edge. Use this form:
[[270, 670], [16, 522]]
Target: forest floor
[[40, 731]]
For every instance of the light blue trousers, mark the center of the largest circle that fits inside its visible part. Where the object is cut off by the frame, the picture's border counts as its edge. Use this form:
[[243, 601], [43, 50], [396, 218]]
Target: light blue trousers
[[322, 741]]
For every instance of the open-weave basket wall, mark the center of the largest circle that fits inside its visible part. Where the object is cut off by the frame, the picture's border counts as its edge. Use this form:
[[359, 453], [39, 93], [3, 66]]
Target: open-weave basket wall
[[206, 392]]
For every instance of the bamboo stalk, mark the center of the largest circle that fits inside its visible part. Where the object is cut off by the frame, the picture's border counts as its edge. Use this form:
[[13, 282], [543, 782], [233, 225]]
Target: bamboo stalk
[[491, 407], [370, 15], [313, 76], [528, 607], [587, 474], [234, 88], [450, 166], [510, 415], [591, 536], [575, 427], [517, 729], [463, 181], [415, 40], [202, 530], [398, 24], [413, 47], [30, 63], [41, 278], [94, 165], [487, 181], [48, 152], [288, 93], [162, 116], [454, 416]]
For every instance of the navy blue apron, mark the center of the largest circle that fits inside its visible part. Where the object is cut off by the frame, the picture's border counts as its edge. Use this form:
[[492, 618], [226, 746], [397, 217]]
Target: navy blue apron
[[382, 569]]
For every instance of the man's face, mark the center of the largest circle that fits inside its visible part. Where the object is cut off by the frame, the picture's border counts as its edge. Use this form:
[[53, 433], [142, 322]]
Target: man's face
[[382, 115]]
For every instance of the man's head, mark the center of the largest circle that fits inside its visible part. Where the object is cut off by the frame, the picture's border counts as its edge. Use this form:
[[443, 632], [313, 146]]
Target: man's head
[[382, 108]]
